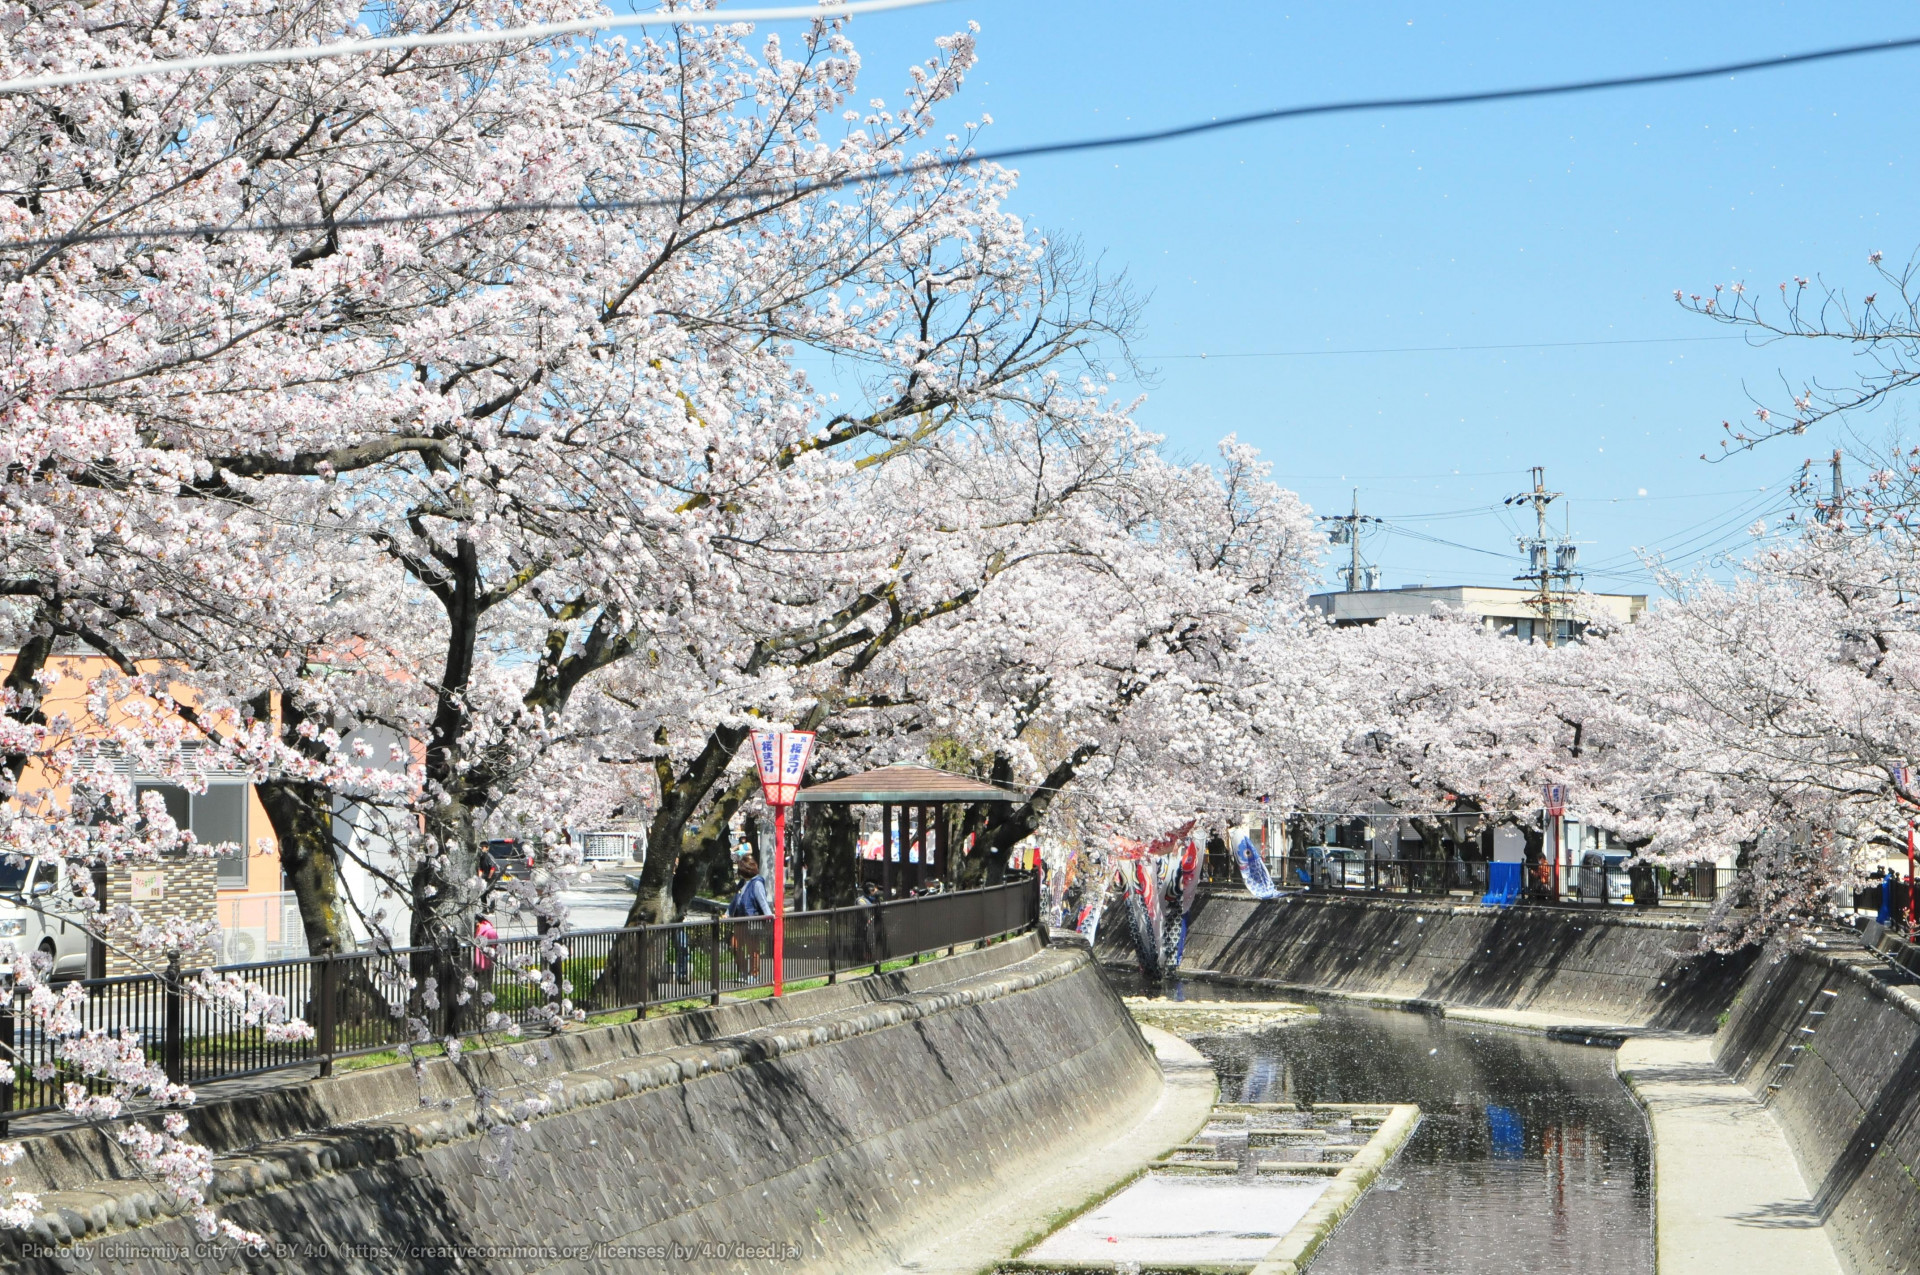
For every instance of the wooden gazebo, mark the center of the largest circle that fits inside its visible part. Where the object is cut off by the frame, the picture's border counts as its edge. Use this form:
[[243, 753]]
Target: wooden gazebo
[[916, 797]]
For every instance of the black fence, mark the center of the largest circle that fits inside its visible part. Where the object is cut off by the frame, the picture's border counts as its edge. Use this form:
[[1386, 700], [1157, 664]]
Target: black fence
[[368, 1001], [1417, 877], [1435, 878]]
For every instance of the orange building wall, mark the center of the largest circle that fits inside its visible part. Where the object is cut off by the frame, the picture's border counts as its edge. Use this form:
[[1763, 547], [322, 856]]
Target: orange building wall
[[68, 699]]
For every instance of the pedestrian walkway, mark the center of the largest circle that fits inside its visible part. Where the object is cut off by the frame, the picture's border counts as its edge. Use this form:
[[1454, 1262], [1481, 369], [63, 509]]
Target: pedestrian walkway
[[1728, 1194], [1185, 1103]]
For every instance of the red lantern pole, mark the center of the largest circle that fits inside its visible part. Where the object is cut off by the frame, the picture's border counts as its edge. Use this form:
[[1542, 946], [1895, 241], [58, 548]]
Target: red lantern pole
[[782, 760], [779, 898]]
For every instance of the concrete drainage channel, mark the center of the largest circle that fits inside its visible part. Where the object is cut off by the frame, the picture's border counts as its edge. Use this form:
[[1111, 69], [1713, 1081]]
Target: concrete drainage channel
[[1256, 1190]]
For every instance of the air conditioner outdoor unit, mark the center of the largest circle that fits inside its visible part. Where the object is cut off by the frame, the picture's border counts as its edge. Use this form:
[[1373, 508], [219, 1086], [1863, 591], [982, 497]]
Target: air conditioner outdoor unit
[[243, 945]]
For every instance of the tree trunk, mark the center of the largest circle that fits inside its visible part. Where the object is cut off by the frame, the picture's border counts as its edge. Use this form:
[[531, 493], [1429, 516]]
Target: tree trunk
[[27, 662], [1010, 823], [680, 797], [829, 844], [445, 890], [302, 819]]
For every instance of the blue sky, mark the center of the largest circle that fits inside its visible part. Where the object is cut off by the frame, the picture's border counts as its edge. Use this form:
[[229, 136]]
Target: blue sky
[[1568, 220]]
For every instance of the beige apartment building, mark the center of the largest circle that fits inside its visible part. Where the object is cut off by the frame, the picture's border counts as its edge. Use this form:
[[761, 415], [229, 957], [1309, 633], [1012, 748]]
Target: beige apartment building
[[1515, 611]]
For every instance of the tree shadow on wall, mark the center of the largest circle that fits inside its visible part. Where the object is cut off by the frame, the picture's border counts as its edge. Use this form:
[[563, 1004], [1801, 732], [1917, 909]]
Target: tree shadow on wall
[[1890, 1106], [1333, 944], [1516, 950]]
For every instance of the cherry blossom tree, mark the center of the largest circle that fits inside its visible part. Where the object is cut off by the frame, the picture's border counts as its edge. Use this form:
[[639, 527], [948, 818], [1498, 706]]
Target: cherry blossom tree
[[544, 426], [354, 466], [1117, 666], [1769, 719], [1452, 719], [1881, 330]]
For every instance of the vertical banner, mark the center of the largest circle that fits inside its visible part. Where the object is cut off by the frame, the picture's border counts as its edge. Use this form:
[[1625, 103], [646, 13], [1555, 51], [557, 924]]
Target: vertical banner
[[766, 756], [796, 747], [1556, 807]]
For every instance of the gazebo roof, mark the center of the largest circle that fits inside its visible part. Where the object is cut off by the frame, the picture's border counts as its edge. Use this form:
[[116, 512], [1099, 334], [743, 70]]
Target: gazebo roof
[[904, 784]]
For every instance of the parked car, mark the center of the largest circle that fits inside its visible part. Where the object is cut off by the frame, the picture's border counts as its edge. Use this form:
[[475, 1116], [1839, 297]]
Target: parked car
[[1596, 867], [38, 912], [505, 858], [1346, 869]]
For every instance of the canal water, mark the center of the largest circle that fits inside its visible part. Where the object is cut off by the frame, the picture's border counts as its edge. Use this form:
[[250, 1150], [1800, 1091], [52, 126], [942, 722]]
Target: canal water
[[1530, 1158]]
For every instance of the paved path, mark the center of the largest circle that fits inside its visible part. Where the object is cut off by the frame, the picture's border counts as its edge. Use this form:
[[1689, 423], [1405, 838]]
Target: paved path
[[1186, 1100], [1728, 1195]]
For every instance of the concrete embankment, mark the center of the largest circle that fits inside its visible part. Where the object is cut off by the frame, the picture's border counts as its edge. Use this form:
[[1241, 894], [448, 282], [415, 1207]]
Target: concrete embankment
[[833, 1131], [1621, 968], [1832, 1044], [1786, 1143]]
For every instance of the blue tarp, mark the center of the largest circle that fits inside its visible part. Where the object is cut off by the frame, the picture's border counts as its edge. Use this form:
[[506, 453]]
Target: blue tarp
[[1503, 884]]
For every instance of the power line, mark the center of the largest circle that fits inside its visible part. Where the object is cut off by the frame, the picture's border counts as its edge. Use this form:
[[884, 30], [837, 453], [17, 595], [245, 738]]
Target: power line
[[1362, 478], [1634, 500], [1449, 515], [1449, 349], [1675, 549], [1715, 524], [922, 167], [436, 39], [1395, 530], [1725, 534]]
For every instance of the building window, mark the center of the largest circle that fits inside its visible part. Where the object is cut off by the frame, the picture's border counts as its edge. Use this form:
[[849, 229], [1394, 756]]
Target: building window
[[215, 816]]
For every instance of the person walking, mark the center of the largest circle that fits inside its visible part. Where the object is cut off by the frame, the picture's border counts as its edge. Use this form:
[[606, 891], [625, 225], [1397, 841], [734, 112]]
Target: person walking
[[869, 899], [752, 899], [485, 937]]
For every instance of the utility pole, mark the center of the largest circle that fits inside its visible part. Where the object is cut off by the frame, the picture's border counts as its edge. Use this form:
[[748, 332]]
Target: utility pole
[[1837, 513], [1345, 530], [1543, 571]]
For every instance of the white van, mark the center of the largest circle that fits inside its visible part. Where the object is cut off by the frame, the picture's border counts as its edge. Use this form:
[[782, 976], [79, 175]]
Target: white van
[[38, 912], [1596, 867]]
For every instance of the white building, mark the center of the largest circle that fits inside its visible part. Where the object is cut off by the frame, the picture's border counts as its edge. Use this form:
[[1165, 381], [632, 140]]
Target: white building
[[1515, 611]]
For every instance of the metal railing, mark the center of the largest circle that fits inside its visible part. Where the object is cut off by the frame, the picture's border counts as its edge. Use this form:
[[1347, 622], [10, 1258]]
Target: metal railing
[[1417, 877], [1887, 941], [367, 1001], [1440, 877], [1702, 882]]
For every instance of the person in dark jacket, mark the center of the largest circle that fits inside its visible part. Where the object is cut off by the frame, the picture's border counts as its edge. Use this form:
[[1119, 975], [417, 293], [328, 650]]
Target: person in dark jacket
[[752, 899]]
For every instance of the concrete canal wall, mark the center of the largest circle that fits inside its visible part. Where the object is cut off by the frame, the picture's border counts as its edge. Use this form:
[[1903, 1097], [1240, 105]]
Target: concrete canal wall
[[1617, 967], [823, 1133], [1828, 1038], [1833, 1046]]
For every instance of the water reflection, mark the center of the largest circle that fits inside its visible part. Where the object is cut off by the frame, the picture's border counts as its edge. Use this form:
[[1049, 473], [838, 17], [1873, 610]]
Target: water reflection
[[1530, 1156]]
